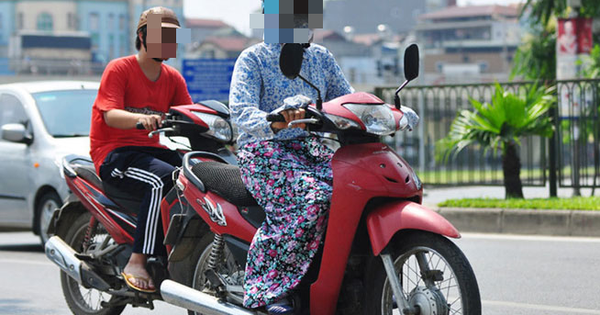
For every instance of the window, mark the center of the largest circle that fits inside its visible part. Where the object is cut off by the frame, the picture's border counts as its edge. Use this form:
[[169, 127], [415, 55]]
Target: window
[[111, 47], [20, 21], [12, 111], [94, 22], [45, 22], [122, 23], [111, 22], [95, 37], [66, 113], [72, 21]]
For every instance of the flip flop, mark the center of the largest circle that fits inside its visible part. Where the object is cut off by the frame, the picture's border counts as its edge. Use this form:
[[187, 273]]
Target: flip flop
[[134, 287]]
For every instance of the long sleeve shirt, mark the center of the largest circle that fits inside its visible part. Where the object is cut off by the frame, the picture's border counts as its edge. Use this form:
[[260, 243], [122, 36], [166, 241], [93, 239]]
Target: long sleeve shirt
[[258, 86]]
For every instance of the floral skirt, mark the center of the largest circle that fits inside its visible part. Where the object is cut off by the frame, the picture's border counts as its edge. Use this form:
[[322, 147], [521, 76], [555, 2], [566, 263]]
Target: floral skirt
[[292, 180]]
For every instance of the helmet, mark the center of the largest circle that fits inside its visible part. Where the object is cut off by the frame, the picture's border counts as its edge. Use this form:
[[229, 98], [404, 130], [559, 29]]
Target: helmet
[[168, 18]]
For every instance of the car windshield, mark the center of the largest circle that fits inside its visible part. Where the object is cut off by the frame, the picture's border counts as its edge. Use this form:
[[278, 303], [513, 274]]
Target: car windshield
[[66, 113]]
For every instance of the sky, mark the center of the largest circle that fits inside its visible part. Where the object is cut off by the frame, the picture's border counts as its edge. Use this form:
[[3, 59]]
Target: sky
[[237, 12]]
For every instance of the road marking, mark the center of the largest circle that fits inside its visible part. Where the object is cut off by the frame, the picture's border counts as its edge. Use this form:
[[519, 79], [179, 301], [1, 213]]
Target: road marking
[[541, 238], [566, 310], [26, 262]]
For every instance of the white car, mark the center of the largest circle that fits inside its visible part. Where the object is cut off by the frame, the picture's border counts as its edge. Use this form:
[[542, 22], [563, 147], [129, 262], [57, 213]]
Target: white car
[[40, 123]]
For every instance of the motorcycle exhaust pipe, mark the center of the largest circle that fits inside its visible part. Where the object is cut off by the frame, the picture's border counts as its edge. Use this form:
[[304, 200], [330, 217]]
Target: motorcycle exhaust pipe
[[64, 257], [183, 296]]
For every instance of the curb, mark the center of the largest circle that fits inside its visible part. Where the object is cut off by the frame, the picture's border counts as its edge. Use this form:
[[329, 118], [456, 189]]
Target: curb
[[524, 221]]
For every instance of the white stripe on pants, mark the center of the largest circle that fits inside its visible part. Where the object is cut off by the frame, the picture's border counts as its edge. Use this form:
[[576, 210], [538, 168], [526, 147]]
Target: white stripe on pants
[[153, 209]]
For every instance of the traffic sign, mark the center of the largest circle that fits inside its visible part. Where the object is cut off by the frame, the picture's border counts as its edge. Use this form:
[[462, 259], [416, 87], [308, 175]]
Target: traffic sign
[[208, 79]]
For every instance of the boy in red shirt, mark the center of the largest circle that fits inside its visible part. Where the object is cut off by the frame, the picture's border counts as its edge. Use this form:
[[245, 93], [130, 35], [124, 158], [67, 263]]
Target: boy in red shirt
[[140, 89]]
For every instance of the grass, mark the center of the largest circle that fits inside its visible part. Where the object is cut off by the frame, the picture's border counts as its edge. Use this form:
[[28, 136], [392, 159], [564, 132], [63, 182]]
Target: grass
[[575, 203]]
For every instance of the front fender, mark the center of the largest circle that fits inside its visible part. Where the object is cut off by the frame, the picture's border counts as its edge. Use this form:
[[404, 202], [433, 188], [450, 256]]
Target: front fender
[[386, 220]]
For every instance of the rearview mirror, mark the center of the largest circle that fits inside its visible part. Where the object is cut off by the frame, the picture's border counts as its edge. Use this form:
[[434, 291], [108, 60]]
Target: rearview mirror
[[14, 133], [411, 62], [290, 60]]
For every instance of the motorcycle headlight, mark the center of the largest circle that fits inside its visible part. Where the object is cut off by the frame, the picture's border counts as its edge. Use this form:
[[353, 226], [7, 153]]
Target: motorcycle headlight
[[217, 126], [341, 122], [379, 119], [417, 180]]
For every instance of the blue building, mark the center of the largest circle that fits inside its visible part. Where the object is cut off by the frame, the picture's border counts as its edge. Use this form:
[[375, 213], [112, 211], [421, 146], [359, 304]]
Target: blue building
[[110, 24], [107, 23]]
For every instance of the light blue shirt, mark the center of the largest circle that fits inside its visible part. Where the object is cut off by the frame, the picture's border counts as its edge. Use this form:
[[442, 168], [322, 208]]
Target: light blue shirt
[[258, 87]]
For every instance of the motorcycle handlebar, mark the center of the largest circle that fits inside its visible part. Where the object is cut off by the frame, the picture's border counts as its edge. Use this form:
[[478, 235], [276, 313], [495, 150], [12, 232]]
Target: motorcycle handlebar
[[275, 118]]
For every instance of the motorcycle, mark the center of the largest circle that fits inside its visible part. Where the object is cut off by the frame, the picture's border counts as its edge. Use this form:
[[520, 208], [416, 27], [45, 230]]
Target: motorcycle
[[383, 251], [93, 233]]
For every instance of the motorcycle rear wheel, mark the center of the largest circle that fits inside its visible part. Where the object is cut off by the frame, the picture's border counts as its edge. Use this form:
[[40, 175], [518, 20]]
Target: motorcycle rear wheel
[[456, 292], [226, 265], [80, 300]]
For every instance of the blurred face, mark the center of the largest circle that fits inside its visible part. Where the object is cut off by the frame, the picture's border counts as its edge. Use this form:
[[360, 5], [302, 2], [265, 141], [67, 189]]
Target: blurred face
[[162, 41], [289, 21]]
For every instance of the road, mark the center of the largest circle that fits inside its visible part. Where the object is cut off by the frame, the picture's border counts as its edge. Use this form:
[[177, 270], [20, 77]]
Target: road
[[517, 275]]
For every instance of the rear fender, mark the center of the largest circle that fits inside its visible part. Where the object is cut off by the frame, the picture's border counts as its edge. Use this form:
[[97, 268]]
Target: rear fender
[[386, 220], [65, 216]]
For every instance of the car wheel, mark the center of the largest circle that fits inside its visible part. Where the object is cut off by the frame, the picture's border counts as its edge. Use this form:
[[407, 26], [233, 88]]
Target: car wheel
[[46, 205]]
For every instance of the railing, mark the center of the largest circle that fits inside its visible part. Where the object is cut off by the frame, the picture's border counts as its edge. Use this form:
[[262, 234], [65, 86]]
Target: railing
[[578, 133], [54, 67], [576, 138]]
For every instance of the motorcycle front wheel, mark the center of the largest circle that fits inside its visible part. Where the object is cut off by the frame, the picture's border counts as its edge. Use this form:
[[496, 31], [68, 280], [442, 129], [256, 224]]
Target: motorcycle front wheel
[[80, 300], [434, 274]]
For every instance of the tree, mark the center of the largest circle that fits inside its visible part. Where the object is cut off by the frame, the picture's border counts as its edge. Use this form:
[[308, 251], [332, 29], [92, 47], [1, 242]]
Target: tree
[[536, 57], [501, 125]]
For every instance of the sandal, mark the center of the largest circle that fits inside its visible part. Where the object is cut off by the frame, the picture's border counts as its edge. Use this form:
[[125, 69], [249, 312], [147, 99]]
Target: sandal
[[133, 286]]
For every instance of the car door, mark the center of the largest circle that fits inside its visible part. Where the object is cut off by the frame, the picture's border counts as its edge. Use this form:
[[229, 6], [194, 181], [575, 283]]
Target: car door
[[14, 165]]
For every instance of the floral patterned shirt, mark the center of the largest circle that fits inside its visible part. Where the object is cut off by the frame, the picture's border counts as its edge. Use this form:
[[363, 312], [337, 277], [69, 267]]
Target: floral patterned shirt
[[258, 87]]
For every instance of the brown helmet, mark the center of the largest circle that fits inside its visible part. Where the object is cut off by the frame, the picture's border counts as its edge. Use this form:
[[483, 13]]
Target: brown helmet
[[168, 17]]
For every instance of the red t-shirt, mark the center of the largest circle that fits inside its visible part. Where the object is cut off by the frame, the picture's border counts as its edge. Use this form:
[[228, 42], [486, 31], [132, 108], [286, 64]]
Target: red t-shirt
[[125, 86]]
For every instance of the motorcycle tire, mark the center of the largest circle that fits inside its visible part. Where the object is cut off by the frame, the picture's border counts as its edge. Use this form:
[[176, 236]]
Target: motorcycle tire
[[202, 257], [78, 302], [457, 275]]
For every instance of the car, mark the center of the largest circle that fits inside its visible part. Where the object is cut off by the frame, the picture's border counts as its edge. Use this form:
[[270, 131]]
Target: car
[[40, 122]]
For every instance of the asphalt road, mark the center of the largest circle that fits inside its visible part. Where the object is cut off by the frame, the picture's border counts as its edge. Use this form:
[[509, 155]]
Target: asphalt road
[[517, 275]]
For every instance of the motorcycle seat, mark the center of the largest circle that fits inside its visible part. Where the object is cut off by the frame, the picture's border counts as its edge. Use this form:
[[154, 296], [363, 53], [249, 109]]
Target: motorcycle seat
[[224, 180], [88, 172], [127, 203]]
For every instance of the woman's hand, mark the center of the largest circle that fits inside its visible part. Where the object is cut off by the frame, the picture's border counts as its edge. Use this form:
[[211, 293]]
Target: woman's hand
[[290, 115]]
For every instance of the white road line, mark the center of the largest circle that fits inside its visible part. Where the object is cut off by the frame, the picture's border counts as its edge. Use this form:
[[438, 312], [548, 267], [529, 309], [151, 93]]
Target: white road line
[[537, 307], [26, 262], [512, 237]]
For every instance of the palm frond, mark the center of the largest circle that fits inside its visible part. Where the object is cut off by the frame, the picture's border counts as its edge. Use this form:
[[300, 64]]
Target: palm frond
[[509, 117]]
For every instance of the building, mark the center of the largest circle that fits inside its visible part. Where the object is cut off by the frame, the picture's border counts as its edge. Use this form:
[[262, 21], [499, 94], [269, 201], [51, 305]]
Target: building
[[214, 47], [360, 16], [109, 26], [472, 43], [203, 28]]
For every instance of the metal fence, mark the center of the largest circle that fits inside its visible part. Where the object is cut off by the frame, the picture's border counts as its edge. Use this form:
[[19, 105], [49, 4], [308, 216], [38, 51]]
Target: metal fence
[[575, 144], [578, 132]]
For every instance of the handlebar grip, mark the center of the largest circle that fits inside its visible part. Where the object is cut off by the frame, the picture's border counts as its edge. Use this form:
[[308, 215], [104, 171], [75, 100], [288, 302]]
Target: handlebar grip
[[139, 126], [275, 117]]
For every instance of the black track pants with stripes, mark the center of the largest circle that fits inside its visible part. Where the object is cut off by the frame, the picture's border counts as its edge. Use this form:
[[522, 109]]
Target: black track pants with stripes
[[145, 173]]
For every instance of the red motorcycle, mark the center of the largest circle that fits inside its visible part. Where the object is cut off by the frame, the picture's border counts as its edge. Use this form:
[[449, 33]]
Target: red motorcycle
[[93, 233], [383, 251]]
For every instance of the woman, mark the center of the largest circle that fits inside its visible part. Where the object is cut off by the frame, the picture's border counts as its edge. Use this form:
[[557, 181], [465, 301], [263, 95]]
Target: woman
[[287, 170]]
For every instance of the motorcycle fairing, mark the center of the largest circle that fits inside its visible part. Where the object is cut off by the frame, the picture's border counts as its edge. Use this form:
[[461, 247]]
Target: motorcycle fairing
[[235, 225], [386, 220], [120, 228], [361, 172]]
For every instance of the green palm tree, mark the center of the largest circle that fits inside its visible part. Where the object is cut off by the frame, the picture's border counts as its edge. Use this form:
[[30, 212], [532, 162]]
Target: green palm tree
[[502, 124]]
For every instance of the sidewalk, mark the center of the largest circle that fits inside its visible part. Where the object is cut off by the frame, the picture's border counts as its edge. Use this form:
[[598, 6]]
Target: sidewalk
[[514, 221]]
